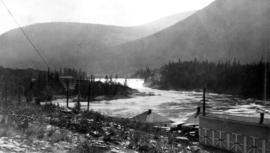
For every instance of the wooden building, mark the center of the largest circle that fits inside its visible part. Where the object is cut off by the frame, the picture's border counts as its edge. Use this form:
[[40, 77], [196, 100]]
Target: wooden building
[[236, 134], [153, 118]]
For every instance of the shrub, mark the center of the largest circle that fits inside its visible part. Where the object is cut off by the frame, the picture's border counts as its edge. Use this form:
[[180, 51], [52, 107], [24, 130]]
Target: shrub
[[85, 147], [60, 135]]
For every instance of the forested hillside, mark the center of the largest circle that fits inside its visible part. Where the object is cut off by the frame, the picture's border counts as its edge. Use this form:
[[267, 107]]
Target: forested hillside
[[250, 80], [39, 86], [224, 30]]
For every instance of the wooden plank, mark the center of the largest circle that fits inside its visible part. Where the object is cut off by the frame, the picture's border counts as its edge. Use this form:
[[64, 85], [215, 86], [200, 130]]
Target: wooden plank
[[220, 138], [213, 137], [245, 145], [263, 146], [247, 119], [228, 141]]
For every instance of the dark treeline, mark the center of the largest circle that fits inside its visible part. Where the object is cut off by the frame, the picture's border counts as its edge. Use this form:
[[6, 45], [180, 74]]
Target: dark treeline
[[145, 73], [98, 88], [231, 77], [40, 85], [31, 83]]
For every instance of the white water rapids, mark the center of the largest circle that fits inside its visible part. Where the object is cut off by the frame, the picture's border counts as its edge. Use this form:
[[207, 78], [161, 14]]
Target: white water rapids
[[175, 105]]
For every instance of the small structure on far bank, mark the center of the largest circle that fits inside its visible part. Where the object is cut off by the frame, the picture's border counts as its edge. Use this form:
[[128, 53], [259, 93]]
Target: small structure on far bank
[[152, 118]]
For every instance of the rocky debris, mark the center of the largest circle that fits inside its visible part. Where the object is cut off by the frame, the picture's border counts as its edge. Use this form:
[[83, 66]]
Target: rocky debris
[[56, 140], [186, 132], [182, 140], [64, 131], [20, 145], [143, 94]]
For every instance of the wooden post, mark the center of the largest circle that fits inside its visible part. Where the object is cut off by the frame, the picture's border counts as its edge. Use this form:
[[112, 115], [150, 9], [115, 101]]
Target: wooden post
[[265, 80], [67, 83], [200, 135], [5, 109], [19, 95], [245, 144], [79, 90], [2, 94], [213, 138], [203, 101], [89, 95], [228, 141], [263, 146], [254, 144], [236, 142], [220, 138], [6, 94], [48, 74], [261, 118], [198, 111], [205, 136]]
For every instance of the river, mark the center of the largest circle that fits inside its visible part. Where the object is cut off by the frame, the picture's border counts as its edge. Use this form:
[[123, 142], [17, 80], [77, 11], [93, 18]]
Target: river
[[175, 105]]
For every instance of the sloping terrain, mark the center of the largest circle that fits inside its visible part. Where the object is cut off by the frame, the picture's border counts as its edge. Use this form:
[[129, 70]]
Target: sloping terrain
[[85, 46], [224, 30]]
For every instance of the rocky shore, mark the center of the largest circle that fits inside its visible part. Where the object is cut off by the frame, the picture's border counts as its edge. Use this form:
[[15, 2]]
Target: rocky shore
[[35, 128], [49, 128]]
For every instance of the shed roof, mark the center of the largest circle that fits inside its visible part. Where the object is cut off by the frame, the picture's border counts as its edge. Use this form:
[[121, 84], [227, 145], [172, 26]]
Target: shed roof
[[151, 117]]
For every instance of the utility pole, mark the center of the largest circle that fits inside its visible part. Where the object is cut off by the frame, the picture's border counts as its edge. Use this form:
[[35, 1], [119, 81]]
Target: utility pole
[[89, 94], [5, 109], [65, 80], [203, 101], [20, 91], [265, 83], [265, 79], [6, 93], [48, 74], [79, 90], [67, 84], [19, 95], [261, 118]]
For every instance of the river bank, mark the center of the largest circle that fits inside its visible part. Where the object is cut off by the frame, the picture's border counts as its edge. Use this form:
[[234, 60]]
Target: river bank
[[113, 131], [108, 124], [177, 106], [49, 128]]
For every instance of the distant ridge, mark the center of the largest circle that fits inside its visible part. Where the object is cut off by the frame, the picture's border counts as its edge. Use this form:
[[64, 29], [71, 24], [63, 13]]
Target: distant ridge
[[224, 30], [78, 45]]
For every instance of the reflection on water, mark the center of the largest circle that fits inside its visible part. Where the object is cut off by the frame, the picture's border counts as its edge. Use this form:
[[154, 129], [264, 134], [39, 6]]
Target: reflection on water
[[176, 105]]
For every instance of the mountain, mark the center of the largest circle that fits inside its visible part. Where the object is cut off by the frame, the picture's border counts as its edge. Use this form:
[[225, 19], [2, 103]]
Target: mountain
[[226, 29], [78, 45], [166, 22], [67, 44]]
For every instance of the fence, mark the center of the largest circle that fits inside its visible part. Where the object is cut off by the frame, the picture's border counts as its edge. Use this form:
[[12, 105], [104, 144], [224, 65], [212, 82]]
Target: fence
[[234, 133]]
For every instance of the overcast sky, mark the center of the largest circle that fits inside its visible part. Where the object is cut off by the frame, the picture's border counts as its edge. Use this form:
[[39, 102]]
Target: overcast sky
[[111, 12]]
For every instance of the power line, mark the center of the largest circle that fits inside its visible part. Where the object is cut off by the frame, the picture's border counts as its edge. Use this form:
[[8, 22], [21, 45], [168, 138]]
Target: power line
[[26, 36]]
